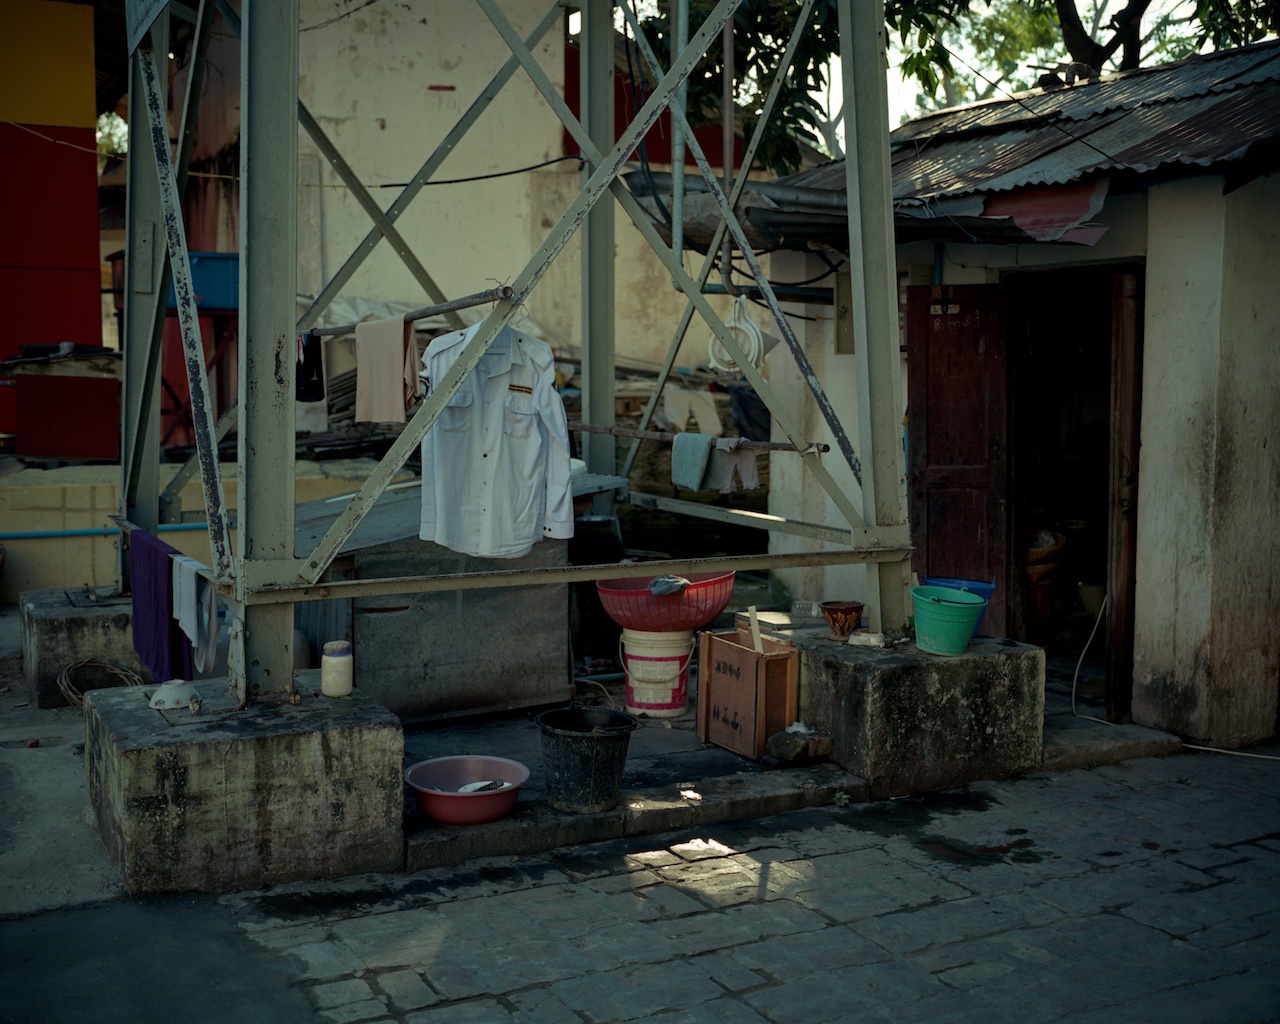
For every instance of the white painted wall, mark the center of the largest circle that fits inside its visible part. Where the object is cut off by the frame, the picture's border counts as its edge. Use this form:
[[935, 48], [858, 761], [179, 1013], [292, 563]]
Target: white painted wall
[[1205, 646]]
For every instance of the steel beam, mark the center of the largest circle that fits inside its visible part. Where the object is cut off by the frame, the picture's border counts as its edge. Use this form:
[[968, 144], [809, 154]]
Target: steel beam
[[370, 206], [353, 263], [268, 354], [873, 285], [597, 253], [807, 372], [188, 319], [691, 288], [601, 180], [709, 261], [145, 292], [283, 594], [761, 520]]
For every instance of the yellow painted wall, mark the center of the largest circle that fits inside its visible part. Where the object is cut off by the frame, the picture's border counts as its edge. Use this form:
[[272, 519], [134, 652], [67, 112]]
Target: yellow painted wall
[[46, 63], [85, 497]]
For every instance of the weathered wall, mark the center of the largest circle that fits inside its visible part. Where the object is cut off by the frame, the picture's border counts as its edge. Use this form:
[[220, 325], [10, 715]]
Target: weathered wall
[[1205, 644]]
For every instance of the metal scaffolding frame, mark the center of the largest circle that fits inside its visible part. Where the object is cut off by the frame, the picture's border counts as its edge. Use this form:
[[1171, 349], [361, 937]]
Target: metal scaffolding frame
[[262, 578]]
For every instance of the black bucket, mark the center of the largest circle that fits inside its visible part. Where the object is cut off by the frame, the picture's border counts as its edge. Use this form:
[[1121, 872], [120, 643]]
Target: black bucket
[[583, 752]]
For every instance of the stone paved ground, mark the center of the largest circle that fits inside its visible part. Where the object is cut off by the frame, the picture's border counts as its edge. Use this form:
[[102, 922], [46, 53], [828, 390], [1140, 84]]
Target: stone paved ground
[[1143, 891]]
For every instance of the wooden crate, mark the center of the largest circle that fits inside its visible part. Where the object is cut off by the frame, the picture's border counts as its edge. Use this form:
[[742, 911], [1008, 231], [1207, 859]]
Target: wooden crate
[[744, 697]]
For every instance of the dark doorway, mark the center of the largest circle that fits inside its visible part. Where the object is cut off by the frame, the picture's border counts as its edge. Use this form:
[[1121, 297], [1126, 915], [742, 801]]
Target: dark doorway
[[1074, 372], [1023, 409]]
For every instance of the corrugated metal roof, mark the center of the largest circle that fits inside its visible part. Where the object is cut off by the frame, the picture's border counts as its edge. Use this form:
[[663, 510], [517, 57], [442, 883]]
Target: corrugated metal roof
[[1204, 112]]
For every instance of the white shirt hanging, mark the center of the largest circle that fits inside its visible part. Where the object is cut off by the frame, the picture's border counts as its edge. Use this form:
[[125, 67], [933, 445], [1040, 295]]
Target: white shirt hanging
[[495, 465]]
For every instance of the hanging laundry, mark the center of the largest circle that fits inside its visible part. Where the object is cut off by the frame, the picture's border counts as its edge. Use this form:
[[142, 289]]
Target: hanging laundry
[[308, 383], [195, 609], [700, 462], [678, 404], [736, 461], [159, 642], [495, 465], [386, 370], [690, 457]]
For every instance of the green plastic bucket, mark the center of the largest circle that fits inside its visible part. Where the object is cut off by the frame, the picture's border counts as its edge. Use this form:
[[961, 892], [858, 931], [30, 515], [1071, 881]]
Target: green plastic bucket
[[945, 618]]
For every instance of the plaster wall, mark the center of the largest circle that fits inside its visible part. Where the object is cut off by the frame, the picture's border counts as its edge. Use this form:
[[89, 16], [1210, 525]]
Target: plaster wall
[[1205, 645]]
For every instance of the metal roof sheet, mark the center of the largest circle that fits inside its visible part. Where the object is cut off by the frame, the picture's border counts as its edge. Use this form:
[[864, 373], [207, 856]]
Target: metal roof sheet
[[1205, 111]]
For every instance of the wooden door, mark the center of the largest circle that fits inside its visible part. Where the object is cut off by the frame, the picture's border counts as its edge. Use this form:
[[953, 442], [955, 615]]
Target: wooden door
[[957, 437], [1122, 555]]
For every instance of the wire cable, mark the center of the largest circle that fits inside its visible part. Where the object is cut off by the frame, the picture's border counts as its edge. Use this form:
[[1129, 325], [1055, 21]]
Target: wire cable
[[1091, 718], [1096, 622]]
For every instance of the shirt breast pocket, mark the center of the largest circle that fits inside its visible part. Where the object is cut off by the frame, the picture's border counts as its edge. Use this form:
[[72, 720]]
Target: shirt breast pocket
[[457, 414], [518, 415]]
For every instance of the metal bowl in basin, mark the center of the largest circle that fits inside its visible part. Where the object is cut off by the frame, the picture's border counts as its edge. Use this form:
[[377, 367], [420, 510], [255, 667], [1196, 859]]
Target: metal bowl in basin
[[466, 789]]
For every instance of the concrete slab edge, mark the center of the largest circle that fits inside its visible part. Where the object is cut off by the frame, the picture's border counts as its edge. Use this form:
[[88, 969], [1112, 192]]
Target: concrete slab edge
[[1089, 748], [537, 828]]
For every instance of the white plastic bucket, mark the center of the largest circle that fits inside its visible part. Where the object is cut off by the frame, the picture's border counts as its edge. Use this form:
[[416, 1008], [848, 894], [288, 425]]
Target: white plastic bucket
[[657, 668]]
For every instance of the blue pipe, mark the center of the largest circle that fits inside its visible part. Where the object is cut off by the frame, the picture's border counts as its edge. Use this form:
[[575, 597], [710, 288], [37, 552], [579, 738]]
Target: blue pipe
[[101, 531]]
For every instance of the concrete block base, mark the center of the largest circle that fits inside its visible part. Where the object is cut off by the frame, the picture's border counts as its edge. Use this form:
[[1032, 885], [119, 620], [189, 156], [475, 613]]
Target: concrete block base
[[910, 722], [66, 627], [226, 799]]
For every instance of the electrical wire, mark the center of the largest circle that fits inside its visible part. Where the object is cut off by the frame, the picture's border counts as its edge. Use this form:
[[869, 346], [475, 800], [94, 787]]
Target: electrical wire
[[1084, 650], [1038, 116], [1091, 718], [832, 268]]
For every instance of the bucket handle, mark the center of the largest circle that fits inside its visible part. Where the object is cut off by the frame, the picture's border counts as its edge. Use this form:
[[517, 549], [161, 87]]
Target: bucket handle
[[962, 604], [622, 660]]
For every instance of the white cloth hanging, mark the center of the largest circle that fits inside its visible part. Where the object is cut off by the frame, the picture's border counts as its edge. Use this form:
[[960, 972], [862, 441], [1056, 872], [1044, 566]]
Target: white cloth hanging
[[495, 465], [195, 607]]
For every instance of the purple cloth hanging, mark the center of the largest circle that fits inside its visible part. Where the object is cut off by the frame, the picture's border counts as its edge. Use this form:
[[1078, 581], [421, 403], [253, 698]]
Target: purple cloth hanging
[[157, 638]]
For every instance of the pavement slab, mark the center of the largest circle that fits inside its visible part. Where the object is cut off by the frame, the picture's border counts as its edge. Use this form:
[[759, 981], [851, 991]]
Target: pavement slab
[[1145, 889]]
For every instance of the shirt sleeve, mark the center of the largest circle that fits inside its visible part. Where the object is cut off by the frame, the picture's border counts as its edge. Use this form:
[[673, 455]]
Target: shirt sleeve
[[557, 521]]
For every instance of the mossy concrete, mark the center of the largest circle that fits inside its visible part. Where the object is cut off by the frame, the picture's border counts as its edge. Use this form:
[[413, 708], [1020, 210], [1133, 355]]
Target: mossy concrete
[[226, 799], [909, 722], [65, 627]]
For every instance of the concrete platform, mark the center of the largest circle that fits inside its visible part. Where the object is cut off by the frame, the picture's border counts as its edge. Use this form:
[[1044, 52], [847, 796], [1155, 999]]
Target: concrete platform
[[51, 855], [88, 628], [227, 799], [910, 722]]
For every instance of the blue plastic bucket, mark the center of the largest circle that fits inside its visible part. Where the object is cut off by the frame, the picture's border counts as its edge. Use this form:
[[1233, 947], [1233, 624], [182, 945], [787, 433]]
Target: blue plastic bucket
[[945, 618], [983, 590]]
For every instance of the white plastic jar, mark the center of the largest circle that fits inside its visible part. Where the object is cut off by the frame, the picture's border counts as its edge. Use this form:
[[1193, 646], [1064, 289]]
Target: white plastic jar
[[336, 669]]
